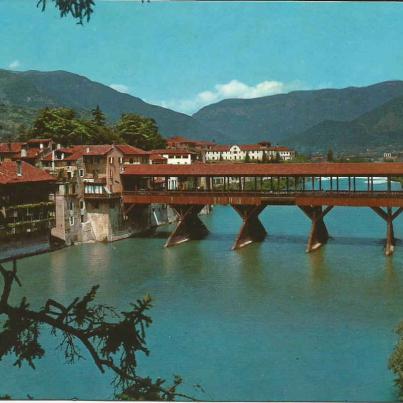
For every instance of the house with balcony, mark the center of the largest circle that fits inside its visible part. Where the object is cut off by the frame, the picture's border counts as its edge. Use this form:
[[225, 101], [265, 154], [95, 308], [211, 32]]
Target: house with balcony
[[88, 202], [27, 208]]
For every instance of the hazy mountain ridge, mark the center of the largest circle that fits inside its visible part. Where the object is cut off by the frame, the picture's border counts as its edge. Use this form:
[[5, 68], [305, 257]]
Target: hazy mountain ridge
[[381, 128], [278, 117], [35, 90]]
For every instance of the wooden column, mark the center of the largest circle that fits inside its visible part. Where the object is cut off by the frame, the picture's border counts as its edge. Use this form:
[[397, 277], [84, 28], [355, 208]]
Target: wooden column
[[252, 229], [388, 216], [318, 235], [189, 226]]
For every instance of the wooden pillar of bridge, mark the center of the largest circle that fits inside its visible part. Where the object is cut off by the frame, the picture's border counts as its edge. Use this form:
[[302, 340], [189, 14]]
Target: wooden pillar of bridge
[[318, 235], [252, 229], [388, 216], [189, 226]]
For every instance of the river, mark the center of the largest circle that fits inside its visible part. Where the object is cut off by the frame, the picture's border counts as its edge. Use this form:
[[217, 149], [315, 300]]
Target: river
[[268, 322]]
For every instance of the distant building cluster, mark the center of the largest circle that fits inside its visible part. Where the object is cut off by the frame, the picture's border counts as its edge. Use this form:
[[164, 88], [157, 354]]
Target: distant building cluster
[[75, 193], [262, 152]]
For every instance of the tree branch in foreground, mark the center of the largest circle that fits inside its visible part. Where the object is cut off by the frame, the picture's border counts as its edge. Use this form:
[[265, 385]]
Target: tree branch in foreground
[[112, 338], [80, 10]]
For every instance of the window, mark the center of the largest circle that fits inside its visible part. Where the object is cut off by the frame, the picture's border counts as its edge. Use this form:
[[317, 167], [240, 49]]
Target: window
[[111, 160], [82, 218], [82, 204], [71, 221], [81, 172], [71, 207], [131, 161]]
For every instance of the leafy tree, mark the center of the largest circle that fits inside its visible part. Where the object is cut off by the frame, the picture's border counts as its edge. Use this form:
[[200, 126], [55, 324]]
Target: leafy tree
[[247, 158], [78, 9], [330, 156], [112, 338], [64, 127], [140, 132], [300, 158], [98, 117], [277, 158], [61, 125]]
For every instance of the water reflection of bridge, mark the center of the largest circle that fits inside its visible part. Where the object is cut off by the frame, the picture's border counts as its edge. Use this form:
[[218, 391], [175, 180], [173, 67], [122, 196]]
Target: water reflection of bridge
[[313, 187]]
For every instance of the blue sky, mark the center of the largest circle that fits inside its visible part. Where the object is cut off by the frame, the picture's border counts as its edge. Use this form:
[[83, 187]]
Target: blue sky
[[186, 54]]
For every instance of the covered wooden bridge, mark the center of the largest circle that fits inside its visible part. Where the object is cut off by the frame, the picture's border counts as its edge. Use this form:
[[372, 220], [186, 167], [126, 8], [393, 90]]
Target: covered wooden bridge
[[315, 188]]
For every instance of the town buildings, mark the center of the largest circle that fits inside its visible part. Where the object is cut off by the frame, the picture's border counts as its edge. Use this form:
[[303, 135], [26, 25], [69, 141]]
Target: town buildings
[[30, 151], [27, 209], [79, 194]]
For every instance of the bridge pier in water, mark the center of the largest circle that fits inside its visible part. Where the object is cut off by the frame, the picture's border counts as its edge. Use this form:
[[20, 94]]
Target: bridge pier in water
[[388, 216], [189, 226], [248, 188], [252, 229], [319, 234]]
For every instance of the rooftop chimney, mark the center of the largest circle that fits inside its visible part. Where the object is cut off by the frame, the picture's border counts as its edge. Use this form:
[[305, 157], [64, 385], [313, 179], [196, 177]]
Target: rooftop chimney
[[23, 150], [19, 168]]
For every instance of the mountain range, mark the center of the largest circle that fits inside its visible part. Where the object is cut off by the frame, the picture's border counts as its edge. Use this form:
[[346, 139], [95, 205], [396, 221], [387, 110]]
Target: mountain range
[[348, 119], [35, 90], [283, 116]]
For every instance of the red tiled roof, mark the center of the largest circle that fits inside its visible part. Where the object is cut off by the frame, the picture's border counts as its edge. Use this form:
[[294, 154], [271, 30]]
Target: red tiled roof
[[10, 147], [75, 156], [281, 169], [91, 150], [32, 153], [178, 139], [157, 157], [252, 147], [38, 141], [126, 149], [172, 152], [66, 150], [220, 148], [8, 173], [279, 148], [49, 156], [96, 149]]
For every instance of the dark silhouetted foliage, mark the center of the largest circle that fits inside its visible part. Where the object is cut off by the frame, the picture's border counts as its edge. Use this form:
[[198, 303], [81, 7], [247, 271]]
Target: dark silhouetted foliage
[[113, 339], [81, 10]]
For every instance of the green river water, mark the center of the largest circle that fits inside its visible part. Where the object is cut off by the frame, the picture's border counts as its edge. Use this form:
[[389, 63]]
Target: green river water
[[268, 322]]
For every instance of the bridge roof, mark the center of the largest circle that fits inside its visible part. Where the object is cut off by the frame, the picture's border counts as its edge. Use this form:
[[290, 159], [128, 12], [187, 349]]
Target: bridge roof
[[281, 169]]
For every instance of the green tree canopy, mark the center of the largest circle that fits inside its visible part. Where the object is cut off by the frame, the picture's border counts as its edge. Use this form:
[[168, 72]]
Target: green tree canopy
[[61, 125], [140, 132], [78, 9], [330, 155], [98, 117]]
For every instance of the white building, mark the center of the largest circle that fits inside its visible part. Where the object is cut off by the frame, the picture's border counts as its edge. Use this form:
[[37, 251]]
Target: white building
[[284, 153], [255, 152], [176, 157], [173, 157]]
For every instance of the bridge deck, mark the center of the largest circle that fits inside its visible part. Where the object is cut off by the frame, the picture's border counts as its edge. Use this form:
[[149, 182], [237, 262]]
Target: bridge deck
[[308, 198]]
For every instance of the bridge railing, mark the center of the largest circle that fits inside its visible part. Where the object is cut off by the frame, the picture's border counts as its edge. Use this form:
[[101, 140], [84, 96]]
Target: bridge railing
[[270, 193]]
